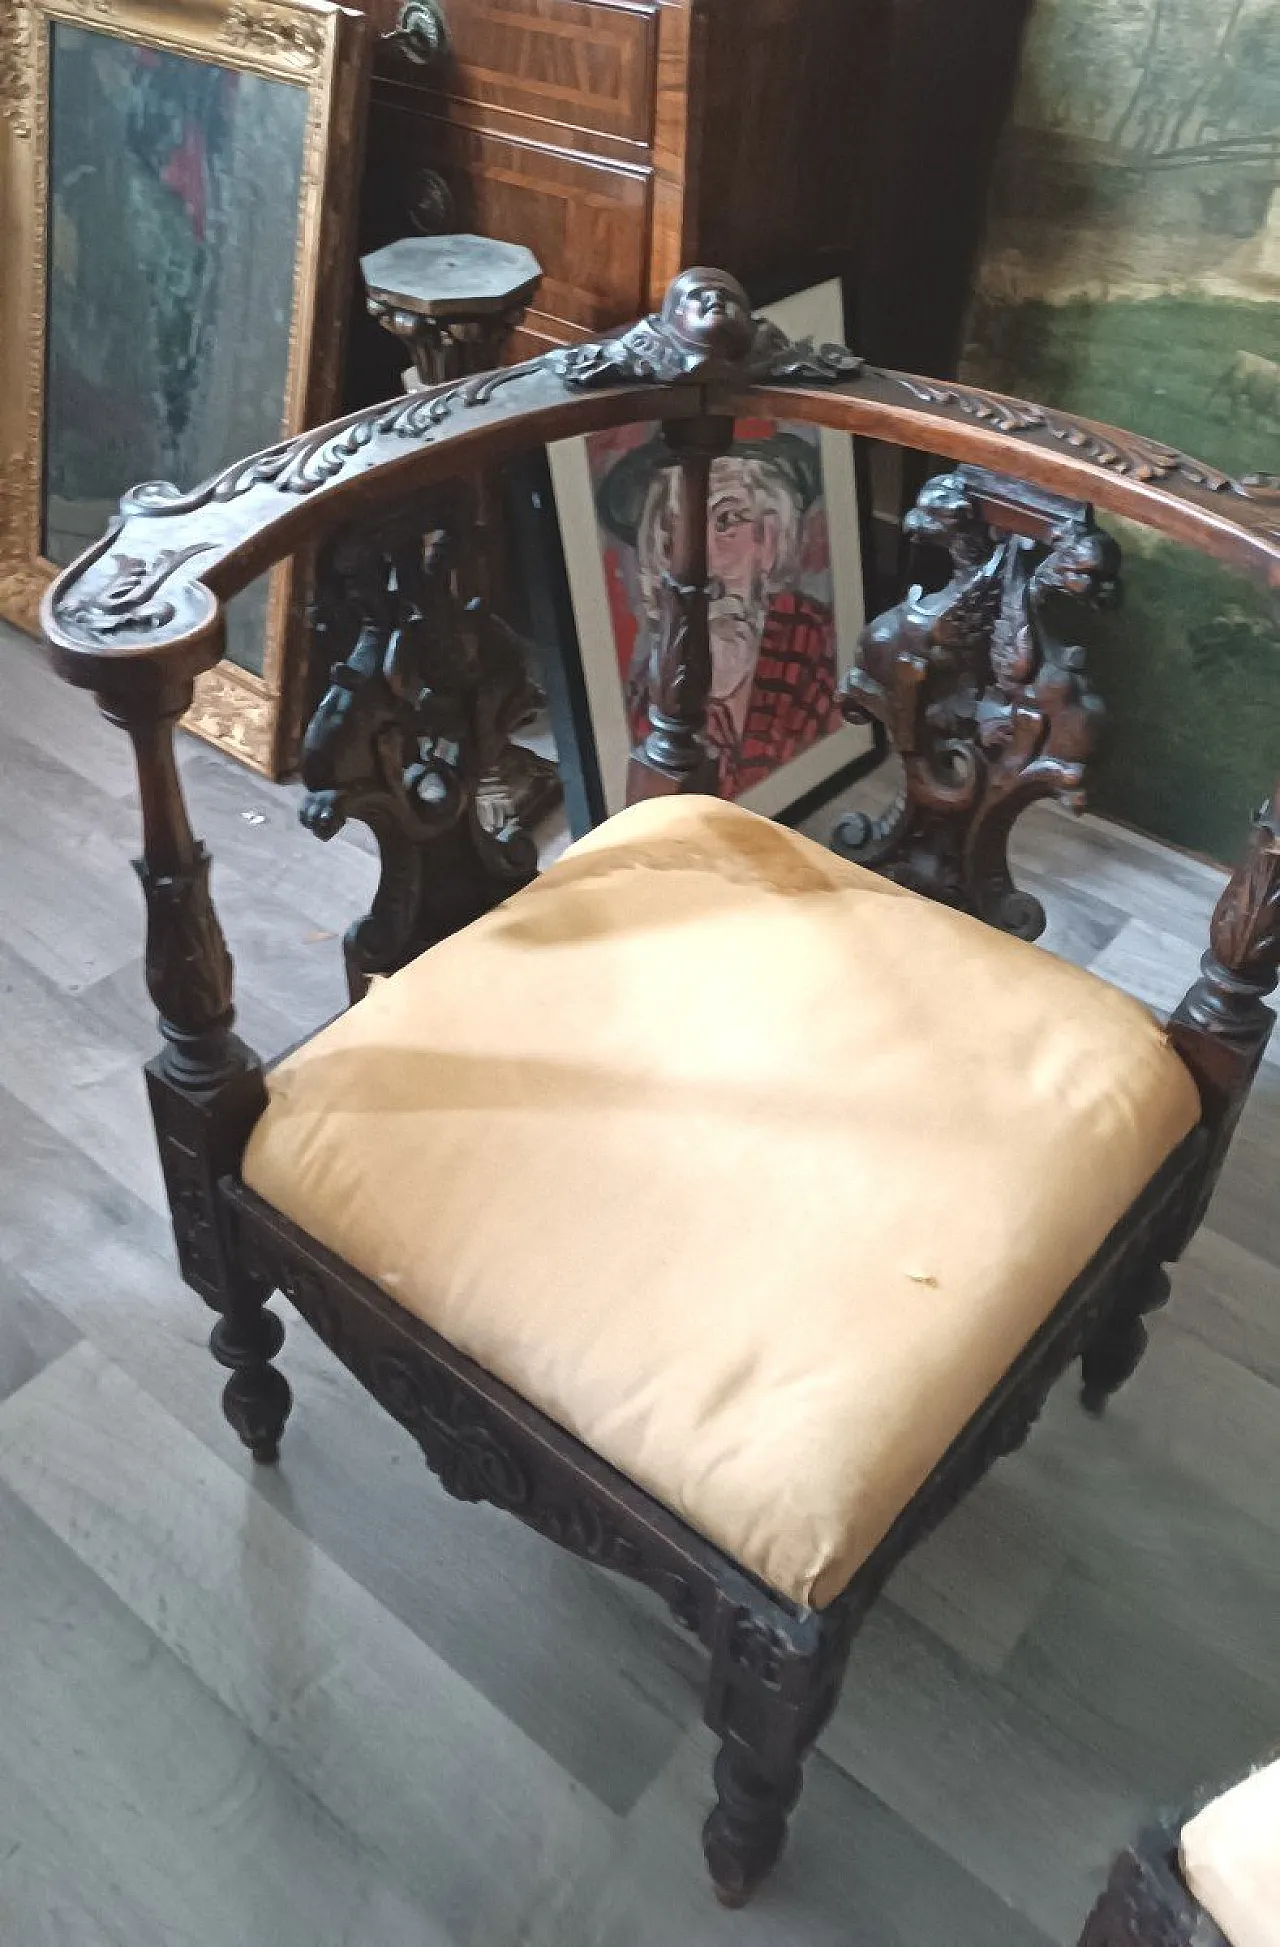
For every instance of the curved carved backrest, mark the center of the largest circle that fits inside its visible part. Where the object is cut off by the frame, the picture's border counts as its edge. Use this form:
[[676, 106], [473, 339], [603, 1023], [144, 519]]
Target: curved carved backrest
[[979, 685]]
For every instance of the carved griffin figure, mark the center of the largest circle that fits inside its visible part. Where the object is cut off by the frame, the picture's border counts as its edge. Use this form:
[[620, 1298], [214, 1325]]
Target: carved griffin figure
[[984, 702]]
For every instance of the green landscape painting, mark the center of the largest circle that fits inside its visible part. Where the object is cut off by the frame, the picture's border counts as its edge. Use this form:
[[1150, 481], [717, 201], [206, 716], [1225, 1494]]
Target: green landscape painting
[[1131, 272]]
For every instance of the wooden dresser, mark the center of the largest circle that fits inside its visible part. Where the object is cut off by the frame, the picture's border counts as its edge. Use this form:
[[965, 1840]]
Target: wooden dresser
[[624, 139]]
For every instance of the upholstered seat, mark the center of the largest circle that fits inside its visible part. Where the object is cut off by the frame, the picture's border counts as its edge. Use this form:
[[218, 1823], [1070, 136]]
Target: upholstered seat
[[749, 1168], [1231, 1859]]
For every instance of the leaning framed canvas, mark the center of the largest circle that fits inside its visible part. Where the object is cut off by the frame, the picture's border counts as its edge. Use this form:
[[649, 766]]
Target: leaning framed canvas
[[176, 186], [787, 603]]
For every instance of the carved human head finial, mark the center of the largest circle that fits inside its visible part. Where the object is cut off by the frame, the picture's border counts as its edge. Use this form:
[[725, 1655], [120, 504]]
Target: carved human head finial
[[708, 315], [704, 333]]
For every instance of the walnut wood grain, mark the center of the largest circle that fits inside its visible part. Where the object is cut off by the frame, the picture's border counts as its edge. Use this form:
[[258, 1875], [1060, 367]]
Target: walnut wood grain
[[674, 90], [586, 218], [580, 64], [680, 82], [812, 76]]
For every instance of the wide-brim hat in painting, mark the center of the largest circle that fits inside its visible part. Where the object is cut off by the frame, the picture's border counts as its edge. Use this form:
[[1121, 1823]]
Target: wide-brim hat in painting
[[621, 494]]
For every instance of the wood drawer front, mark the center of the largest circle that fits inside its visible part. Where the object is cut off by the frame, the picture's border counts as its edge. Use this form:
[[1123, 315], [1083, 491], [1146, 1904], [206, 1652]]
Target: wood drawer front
[[580, 63], [539, 334], [586, 220]]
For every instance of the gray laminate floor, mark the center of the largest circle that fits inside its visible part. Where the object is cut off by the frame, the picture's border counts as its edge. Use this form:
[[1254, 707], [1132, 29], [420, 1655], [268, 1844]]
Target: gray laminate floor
[[327, 1705]]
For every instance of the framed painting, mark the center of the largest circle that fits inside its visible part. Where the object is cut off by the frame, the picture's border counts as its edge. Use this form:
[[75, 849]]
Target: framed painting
[[785, 558], [176, 185]]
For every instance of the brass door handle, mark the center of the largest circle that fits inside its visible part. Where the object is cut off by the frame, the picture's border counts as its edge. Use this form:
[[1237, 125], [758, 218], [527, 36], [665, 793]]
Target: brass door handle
[[420, 34]]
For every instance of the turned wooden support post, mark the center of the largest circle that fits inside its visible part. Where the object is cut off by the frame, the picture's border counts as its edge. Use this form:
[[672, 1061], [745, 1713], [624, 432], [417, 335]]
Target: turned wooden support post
[[188, 967], [206, 1087], [771, 1690], [674, 757], [1222, 1026], [1220, 1030]]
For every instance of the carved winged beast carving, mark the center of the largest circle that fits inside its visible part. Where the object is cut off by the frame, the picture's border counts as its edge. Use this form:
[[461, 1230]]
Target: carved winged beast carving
[[704, 330], [987, 707], [407, 736]]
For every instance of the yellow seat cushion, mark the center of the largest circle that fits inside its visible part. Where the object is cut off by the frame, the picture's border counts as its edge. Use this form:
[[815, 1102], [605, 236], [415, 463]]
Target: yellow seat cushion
[[749, 1168], [1231, 1859]]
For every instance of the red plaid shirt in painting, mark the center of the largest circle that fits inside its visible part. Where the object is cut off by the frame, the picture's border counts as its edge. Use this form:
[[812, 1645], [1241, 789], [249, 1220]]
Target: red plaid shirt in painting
[[792, 701]]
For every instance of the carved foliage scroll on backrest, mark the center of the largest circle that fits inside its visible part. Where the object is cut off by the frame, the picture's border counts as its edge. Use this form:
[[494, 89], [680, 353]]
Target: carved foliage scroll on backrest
[[985, 697]]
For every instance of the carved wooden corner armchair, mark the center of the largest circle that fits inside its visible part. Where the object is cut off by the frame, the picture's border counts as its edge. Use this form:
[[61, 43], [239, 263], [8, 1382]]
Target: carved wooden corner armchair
[[717, 1206]]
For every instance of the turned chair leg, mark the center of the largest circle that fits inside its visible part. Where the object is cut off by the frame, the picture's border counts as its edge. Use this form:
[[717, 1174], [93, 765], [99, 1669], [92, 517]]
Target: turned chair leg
[[744, 1834], [1112, 1356], [256, 1398], [773, 1684]]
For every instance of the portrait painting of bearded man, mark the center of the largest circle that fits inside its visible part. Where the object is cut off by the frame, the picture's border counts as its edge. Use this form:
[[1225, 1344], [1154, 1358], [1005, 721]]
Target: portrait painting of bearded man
[[773, 636]]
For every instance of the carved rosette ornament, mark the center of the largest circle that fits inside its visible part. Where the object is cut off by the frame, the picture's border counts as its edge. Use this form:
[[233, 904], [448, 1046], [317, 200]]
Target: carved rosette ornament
[[704, 331], [986, 705], [465, 1453]]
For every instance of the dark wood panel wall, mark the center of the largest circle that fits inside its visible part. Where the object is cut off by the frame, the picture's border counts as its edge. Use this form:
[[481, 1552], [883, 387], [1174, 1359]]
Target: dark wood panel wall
[[948, 91]]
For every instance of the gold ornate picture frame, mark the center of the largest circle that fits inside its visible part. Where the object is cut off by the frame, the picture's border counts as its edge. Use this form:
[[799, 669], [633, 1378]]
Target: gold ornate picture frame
[[177, 190]]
